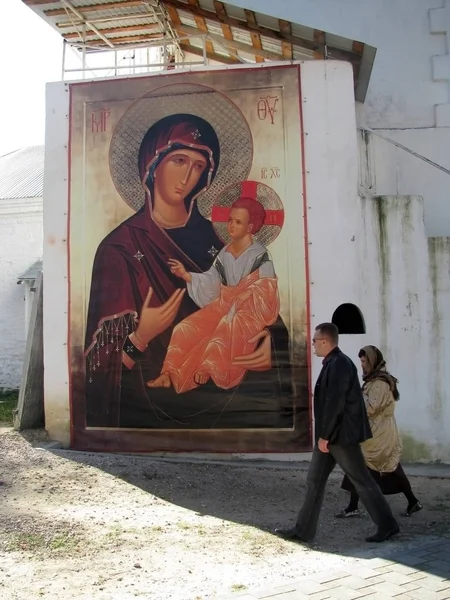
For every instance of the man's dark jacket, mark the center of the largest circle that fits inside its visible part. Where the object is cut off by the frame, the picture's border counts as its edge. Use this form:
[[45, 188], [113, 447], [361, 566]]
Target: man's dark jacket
[[339, 408]]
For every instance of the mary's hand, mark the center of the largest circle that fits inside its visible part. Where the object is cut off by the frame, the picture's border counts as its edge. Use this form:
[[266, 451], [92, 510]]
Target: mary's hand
[[155, 320], [261, 358]]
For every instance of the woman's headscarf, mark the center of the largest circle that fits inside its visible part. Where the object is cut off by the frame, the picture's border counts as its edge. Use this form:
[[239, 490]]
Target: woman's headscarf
[[376, 368], [175, 132]]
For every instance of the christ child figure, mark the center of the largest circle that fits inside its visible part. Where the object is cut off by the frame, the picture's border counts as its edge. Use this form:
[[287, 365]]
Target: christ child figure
[[238, 298]]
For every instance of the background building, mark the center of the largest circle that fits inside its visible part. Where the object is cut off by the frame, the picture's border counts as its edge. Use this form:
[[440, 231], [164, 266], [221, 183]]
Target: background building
[[21, 237]]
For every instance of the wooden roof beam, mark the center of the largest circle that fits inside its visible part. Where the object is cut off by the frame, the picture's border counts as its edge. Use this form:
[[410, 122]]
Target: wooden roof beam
[[227, 60], [238, 46], [286, 30], [256, 38], [226, 29], [319, 37], [264, 31], [201, 24]]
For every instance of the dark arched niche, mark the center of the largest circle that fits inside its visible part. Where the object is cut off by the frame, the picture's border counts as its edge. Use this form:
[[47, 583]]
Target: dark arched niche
[[349, 319]]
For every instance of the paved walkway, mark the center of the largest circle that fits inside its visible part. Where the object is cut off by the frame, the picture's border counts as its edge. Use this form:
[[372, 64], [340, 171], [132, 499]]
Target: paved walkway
[[421, 572]]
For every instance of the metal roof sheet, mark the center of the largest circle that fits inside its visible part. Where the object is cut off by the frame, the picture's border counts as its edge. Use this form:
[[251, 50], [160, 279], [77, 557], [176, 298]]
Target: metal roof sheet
[[22, 173], [32, 272], [131, 23]]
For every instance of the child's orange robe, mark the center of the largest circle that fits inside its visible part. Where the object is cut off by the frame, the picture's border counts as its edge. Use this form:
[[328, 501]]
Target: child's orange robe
[[240, 299]]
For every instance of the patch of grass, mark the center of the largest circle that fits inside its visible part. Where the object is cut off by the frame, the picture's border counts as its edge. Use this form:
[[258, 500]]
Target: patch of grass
[[63, 543], [238, 587], [37, 543], [8, 402], [27, 541]]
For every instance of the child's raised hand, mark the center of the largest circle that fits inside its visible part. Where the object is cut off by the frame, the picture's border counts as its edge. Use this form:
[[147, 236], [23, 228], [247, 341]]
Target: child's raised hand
[[178, 269]]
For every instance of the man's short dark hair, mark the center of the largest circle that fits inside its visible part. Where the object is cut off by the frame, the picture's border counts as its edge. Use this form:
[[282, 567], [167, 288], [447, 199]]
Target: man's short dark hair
[[329, 331]]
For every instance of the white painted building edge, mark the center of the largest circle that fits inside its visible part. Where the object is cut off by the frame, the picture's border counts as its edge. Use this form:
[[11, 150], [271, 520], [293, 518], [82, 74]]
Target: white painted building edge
[[55, 259]]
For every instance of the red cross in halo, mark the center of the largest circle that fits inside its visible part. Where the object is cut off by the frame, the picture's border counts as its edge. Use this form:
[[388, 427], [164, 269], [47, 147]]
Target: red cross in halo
[[220, 214]]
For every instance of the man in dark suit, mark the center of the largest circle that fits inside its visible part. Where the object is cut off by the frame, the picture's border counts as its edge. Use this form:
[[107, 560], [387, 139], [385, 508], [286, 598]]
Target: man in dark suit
[[341, 425]]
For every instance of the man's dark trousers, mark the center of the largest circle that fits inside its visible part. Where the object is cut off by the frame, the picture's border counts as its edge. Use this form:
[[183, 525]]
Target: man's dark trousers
[[351, 461]]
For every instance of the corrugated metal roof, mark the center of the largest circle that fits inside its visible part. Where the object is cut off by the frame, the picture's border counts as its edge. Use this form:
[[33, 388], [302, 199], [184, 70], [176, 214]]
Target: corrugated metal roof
[[132, 23], [22, 173], [32, 272]]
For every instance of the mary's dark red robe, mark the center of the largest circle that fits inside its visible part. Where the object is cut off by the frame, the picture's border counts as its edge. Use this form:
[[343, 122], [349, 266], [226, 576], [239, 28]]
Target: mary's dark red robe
[[128, 261]]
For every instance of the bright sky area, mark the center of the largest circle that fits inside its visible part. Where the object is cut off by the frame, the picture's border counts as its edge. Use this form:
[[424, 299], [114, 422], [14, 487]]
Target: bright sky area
[[32, 55]]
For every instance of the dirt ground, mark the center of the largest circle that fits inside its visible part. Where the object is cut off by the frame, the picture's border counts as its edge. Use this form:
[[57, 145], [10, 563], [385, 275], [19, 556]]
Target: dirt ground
[[86, 526]]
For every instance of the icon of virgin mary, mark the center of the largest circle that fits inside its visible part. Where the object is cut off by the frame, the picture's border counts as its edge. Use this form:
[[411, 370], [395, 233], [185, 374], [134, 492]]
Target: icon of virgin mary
[[136, 301]]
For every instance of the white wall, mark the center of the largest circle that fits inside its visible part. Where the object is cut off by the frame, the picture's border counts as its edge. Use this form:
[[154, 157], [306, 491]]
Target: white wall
[[409, 92], [21, 245], [407, 295], [374, 252], [55, 297]]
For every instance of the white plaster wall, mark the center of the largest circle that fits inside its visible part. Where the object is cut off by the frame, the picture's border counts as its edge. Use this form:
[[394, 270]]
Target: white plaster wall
[[21, 245], [374, 252], [409, 92], [407, 294], [55, 313], [334, 207], [402, 93]]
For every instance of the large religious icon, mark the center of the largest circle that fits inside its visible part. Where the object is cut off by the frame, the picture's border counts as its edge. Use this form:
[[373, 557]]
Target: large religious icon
[[188, 292]]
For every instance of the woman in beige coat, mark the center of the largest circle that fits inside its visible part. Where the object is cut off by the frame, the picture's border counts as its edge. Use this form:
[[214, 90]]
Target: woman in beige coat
[[383, 451]]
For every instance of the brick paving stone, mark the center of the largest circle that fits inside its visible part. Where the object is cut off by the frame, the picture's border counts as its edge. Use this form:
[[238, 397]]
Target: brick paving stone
[[376, 596], [414, 585], [421, 552], [364, 572], [329, 576], [319, 595], [397, 578], [441, 565], [273, 592], [409, 559], [417, 575], [297, 595], [385, 569], [355, 583], [330, 585], [438, 574], [373, 563], [405, 570], [422, 594], [434, 585], [343, 593], [308, 586], [374, 580], [389, 589], [440, 556]]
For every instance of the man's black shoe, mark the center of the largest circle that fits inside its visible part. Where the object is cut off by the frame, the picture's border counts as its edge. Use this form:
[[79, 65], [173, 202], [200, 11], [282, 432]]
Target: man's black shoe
[[383, 536], [290, 534]]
